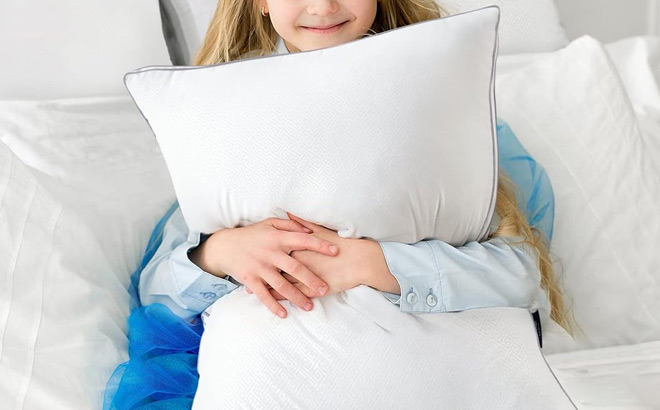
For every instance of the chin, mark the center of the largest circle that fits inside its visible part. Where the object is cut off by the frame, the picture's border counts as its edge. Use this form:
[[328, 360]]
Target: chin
[[331, 42]]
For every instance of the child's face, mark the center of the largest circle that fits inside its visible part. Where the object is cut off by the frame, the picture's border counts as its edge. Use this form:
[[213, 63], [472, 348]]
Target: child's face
[[291, 17]]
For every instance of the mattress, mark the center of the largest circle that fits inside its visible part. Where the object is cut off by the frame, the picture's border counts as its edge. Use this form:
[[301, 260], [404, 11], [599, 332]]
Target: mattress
[[620, 377]]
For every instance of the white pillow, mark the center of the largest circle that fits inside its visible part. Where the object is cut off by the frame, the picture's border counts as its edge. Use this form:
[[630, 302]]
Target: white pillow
[[82, 184], [356, 350], [73, 48], [55, 293], [571, 112], [373, 138], [527, 25], [637, 60]]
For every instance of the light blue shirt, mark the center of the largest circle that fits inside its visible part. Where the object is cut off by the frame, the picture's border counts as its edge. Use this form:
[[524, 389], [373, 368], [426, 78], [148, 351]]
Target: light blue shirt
[[433, 275]]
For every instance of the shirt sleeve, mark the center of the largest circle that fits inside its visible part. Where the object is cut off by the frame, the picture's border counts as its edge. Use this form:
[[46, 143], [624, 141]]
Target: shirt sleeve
[[171, 278], [534, 191], [437, 277]]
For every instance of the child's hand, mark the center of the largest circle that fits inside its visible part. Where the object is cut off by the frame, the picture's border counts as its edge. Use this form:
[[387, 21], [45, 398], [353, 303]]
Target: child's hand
[[350, 268], [254, 255]]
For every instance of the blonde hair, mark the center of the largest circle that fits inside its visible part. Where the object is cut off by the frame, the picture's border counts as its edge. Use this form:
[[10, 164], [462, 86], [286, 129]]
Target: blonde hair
[[235, 32], [513, 223]]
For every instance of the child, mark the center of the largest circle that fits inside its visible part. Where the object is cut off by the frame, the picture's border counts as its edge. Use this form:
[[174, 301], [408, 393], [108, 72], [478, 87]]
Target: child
[[292, 259]]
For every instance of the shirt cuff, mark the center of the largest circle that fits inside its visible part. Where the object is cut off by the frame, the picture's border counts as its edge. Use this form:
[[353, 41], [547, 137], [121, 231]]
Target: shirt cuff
[[415, 268], [198, 289]]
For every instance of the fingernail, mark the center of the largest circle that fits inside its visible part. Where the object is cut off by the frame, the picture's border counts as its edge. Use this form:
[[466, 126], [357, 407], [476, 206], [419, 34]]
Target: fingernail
[[323, 289], [308, 306], [333, 248], [281, 313]]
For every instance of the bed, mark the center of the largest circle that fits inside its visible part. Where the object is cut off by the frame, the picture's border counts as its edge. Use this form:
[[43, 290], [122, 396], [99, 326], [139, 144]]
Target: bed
[[83, 183]]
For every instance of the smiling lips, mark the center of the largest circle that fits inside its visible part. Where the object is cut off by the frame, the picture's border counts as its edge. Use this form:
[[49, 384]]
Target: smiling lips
[[326, 29]]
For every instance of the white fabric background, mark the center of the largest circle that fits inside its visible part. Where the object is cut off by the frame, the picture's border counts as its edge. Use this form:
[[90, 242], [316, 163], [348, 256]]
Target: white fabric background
[[73, 48], [571, 111], [82, 184]]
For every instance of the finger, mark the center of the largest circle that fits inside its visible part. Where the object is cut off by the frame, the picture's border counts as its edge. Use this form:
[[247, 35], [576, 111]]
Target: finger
[[290, 278], [264, 296], [289, 225], [300, 241], [276, 294], [287, 289], [310, 225], [301, 273], [304, 289], [248, 290]]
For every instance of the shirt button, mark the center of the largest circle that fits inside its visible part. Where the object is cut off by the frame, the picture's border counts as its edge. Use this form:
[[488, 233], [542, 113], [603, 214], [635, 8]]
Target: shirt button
[[411, 298], [219, 286], [208, 295], [431, 300]]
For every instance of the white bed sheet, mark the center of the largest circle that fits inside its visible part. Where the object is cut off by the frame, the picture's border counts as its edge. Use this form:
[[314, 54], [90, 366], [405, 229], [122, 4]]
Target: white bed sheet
[[619, 377]]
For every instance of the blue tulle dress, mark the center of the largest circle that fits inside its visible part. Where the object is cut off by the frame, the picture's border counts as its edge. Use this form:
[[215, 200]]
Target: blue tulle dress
[[161, 373], [162, 369]]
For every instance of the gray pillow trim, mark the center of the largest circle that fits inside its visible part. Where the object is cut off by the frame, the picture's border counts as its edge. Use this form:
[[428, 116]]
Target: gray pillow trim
[[485, 230]]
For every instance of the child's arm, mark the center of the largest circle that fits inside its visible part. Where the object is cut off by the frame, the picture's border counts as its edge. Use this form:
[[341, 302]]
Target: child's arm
[[490, 273], [434, 276], [172, 279]]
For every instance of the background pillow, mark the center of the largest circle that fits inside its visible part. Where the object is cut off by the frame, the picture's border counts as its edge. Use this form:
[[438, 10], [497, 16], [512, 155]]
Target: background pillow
[[82, 183], [72, 48], [185, 23], [366, 160], [43, 320], [526, 26], [637, 60], [571, 112]]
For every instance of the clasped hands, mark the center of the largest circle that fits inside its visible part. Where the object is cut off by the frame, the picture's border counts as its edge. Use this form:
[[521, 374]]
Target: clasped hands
[[356, 262]]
